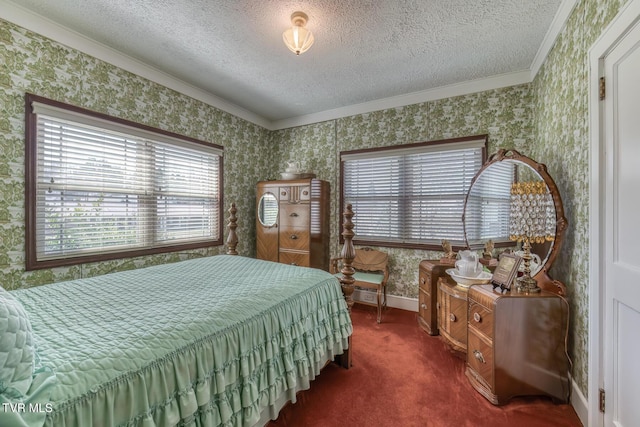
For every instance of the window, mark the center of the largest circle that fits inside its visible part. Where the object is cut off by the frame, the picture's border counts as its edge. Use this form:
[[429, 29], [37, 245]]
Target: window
[[102, 188], [411, 195], [489, 205]]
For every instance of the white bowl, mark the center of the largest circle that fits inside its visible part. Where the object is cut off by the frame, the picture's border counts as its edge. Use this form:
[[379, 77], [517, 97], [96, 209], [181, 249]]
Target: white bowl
[[481, 279], [291, 175]]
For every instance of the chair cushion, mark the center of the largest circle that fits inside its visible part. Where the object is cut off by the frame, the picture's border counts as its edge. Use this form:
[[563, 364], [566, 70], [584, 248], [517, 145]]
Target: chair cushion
[[375, 278]]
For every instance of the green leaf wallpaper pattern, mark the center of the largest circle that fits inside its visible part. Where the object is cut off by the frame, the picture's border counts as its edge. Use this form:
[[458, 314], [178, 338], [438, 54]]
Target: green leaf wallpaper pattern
[[31, 63], [546, 120], [560, 93]]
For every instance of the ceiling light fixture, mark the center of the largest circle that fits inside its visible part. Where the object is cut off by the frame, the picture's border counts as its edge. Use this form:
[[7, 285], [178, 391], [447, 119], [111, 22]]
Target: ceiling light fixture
[[297, 38]]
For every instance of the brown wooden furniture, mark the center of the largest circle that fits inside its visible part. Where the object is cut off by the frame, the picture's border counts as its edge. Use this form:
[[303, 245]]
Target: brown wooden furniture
[[452, 313], [371, 271], [292, 222], [429, 272], [516, 344], [517, 340]]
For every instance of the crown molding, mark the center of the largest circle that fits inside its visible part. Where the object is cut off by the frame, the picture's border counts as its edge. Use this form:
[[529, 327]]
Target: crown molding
[[449, 91], [60, 34], [41, 25], [557, 25]]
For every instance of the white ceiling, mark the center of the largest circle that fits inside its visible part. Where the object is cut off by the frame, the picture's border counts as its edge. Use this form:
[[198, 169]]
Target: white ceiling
[[231, 51]]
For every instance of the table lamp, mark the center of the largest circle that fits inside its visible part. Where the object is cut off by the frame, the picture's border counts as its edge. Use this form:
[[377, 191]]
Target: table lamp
[[531, 220]]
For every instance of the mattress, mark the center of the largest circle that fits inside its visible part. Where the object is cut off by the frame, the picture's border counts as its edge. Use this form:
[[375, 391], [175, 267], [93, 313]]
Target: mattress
[[211, 341]]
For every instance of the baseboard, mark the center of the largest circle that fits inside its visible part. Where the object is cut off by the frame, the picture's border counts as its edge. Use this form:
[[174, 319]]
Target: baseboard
[[580, 403], [403, 303]]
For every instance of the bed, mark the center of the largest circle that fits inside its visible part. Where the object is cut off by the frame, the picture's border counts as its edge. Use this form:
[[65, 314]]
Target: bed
[[221, 340]]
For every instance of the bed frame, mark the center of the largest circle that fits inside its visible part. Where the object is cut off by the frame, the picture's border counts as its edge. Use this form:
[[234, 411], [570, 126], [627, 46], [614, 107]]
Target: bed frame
[[348, 254]]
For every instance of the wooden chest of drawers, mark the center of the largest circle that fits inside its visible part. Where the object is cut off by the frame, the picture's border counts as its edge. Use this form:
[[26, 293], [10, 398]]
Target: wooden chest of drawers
[[298, 233], [429, 272], [516, 344], [452, 313]]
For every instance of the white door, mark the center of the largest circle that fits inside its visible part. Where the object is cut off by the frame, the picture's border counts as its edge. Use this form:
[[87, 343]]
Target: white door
[[621, 329]]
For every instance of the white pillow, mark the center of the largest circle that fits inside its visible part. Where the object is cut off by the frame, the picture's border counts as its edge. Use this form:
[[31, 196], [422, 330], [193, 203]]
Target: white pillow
[[17, 352]]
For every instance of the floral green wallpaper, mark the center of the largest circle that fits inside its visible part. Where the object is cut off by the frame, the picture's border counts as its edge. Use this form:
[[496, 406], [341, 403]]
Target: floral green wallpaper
[[505, 114], [561, 123], [546, 120], [31, 63]]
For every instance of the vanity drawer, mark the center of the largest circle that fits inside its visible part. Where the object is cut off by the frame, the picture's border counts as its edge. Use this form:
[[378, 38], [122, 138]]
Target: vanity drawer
[[424, 281], [480, 358], [294, 215], [429, 272], [424, 304], [295, 193], [284, 194], [295, 258], [294, 238], [304, 193], [480, 318], [452, 313]]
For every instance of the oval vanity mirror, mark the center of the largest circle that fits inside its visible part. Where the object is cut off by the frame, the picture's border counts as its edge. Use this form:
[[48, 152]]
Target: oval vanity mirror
[[268, 210], [490, 212]]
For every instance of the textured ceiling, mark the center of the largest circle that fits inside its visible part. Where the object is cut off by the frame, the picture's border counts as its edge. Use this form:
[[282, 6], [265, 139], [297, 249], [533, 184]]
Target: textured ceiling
[[364, 50]]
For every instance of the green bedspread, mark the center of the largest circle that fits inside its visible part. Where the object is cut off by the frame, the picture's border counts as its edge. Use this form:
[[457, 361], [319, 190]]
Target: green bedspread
[[205, 342]]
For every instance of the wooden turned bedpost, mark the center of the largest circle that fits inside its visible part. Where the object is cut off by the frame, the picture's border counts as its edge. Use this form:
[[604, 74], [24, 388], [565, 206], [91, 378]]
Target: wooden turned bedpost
[[346, 280], [232, 239], [348, 255]]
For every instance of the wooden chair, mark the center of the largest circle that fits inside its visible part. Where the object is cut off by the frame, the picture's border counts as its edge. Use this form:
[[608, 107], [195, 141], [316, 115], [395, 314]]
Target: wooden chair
[[371, 272]]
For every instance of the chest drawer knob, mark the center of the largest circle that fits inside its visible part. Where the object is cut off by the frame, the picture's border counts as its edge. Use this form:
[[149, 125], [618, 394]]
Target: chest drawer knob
[[422, 280], [293, 237], [477, 317], [293, 214], [478, 355], [424, 306], [452, 317]]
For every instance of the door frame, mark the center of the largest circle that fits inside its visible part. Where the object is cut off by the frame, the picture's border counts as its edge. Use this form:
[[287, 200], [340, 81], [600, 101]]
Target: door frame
[[626, 18]]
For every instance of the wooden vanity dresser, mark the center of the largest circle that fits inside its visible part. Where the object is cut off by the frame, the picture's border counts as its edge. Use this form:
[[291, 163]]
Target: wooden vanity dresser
[[517, 344]]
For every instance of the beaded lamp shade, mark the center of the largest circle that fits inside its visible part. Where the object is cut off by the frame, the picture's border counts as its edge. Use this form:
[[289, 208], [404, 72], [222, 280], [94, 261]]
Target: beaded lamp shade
[[532, 220]]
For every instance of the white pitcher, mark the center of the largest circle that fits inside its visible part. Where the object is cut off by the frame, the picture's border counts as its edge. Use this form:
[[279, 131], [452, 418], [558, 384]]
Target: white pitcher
[[292, 167], [468, 265]]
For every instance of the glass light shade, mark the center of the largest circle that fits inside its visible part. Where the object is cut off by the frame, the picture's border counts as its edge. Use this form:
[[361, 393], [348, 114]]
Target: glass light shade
[[298, 39]]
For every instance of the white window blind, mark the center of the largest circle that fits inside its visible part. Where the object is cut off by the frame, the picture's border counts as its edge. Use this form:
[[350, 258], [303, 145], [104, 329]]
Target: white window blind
[[413, 194], [102, 189], [489, 203]]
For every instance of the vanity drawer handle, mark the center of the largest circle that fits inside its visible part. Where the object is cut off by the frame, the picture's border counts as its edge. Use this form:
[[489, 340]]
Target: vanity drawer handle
[[293, 237], [293, 214], [452, 317], [305, 193], [478, 355], [477, 317]]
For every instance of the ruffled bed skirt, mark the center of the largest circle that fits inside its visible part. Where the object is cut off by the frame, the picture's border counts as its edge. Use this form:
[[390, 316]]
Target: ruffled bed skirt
[[240, 376]]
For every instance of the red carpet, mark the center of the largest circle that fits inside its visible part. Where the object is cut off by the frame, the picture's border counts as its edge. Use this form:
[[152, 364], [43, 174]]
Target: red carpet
[[403, 377]]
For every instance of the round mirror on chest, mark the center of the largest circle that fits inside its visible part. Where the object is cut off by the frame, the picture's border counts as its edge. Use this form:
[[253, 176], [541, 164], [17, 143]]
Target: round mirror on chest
[[513, 203], [268, 210]]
